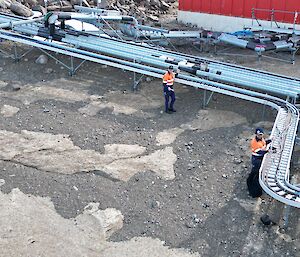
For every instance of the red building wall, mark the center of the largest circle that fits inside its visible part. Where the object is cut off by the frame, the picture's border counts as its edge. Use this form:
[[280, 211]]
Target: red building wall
[[242, 8]]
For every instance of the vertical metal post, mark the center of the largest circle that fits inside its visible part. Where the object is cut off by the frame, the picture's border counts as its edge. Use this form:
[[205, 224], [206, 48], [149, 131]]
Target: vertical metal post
[[272, 17], [16, 58], [46, 4], [253, 15], [295, 20], [259, 55], [204, 99], [134, 80], [71, 70]]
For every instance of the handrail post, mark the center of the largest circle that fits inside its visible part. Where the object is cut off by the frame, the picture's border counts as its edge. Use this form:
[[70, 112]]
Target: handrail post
[[252, 14], [272, 17]]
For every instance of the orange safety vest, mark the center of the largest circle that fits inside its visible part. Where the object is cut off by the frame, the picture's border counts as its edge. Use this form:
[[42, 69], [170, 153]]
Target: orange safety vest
[[168, 78], [257, 146]]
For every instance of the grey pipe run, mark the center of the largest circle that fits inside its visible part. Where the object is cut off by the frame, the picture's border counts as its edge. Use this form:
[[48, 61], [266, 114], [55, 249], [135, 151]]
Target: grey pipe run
[[105, 46], [184, 79], [261, 75], [188, 67], [232, 70], [241, 43], [141, 53], [234, 40], [16, 23], [162, 61]]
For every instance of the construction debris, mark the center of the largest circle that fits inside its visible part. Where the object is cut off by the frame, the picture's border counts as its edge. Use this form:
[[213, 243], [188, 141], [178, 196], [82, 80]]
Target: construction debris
[[149, 10]]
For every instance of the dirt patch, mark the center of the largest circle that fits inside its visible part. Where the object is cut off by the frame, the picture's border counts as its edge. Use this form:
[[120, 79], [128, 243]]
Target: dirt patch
[[168, 136], [31, 93], [30, 226], [206, 120], [9, 111], [211, 119], [160, 162], [94, 107], [57, 153], [122, 103]]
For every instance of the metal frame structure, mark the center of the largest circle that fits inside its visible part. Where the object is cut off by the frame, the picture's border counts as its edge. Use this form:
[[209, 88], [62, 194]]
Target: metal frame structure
[[273, 19], [209, 75]]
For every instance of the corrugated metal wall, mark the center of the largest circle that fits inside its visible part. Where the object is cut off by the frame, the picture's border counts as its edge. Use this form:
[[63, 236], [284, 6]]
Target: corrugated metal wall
[[242, 8]]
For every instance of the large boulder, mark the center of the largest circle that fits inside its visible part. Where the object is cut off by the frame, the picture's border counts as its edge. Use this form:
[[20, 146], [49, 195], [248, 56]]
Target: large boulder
[[20, 9], [5, 4], [31, 2]]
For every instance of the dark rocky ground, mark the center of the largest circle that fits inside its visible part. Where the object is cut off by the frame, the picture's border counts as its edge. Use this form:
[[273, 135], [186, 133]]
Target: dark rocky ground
[[206, 208]]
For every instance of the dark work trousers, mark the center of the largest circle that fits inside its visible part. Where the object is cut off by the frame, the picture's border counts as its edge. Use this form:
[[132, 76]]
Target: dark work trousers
[[254, 187], [256, 163], [168, 95]]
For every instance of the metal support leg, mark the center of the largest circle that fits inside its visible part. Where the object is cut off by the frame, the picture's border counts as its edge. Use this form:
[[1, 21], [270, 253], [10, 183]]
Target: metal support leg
[[6, 54], [206, 102], [293, 56], [204, 99], [259, 55], [136, 81], [71, 70], [16, 57], [209, 98]]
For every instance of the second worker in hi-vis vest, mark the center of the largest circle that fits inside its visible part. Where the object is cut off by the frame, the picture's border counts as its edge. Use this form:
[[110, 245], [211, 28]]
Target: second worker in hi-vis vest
[[168, 82]]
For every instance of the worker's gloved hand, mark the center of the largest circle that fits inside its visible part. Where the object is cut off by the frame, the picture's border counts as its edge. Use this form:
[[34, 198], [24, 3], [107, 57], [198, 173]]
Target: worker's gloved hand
[[170, 89], [176, 73], [268, 141]]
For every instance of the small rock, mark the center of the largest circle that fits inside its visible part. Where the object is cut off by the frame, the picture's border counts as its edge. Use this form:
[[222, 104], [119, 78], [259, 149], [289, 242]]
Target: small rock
[[189, 224], [205, 205], [48, 71], [191, 166], [15, 87], [153, 18], [155, 204], [2, 182], [148, 79], [237, 161], [42, 59]]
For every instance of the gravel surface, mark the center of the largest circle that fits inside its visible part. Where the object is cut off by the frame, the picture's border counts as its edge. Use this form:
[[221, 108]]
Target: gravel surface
[[204, 208]]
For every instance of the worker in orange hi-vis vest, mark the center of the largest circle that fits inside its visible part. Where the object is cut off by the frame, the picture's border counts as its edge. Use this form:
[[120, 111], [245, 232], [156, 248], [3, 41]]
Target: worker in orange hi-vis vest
[[168, 82], [259, 147]]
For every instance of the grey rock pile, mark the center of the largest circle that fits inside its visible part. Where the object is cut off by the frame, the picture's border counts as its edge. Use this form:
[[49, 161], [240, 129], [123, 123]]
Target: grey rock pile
[[149, 10], [145, 9]]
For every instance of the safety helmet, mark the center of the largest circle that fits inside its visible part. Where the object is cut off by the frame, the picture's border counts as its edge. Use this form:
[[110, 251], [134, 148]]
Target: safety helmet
[[259, 131]]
